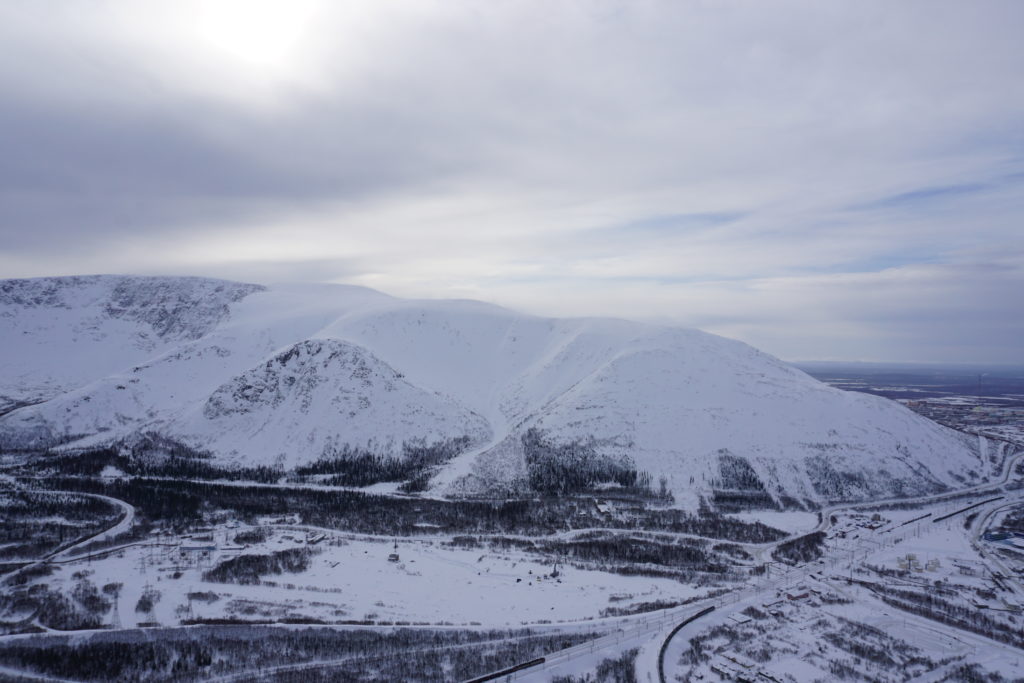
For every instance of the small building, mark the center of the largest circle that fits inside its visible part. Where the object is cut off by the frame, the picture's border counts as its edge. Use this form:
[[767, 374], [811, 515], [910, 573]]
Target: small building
[[393, 557]]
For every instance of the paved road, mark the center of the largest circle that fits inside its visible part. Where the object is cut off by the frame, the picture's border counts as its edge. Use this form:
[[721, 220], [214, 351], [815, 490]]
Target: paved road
[[981, 523], [123, 525], [749, 596]]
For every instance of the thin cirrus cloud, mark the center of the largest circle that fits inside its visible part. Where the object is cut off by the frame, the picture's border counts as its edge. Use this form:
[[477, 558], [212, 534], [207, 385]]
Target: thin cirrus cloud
[[822, 180]]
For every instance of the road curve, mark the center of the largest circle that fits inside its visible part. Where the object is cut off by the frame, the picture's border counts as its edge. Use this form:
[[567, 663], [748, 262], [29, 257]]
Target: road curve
[[123, 524]]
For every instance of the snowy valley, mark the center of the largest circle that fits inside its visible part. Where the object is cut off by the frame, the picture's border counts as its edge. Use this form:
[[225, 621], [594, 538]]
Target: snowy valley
[[302, 482]]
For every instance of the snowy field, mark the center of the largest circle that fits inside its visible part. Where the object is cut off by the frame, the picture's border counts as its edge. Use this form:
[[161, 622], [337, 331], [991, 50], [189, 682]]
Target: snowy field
[[790, 522], [355, 580]]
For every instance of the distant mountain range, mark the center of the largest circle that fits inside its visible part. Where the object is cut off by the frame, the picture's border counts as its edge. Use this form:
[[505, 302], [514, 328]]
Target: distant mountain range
[[465, 397]]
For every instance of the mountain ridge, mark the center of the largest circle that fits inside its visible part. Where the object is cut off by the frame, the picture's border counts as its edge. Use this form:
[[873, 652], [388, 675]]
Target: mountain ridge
[[619, 396]]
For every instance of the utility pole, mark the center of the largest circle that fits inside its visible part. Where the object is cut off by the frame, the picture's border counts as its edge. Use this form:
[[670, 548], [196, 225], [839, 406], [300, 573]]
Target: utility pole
[[115, 619]]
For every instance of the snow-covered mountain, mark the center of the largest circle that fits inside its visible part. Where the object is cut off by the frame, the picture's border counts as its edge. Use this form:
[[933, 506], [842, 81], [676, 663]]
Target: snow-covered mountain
[[60, 333], [288, 375]]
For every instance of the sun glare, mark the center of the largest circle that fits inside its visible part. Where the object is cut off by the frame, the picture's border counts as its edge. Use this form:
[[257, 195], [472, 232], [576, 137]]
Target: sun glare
[[263, 33]]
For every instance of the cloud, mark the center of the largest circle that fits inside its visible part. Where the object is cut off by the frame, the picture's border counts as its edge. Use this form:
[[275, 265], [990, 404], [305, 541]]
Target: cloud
[[927, 195], [735, 165]]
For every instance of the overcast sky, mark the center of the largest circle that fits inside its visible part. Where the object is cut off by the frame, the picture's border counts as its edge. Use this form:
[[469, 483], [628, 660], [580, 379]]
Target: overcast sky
[[824, 180]]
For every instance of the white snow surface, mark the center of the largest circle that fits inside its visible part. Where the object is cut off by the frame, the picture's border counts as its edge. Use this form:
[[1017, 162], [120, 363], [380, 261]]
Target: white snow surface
[[281, 375], [59, 333]]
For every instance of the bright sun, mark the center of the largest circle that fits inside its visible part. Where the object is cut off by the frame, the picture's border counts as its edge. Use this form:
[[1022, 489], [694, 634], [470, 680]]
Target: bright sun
[[263, 33]]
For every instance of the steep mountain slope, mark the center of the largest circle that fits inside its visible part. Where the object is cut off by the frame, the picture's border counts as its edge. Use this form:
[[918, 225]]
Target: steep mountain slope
[[669, 397], [285, 376], [316, 397], [60, 333]]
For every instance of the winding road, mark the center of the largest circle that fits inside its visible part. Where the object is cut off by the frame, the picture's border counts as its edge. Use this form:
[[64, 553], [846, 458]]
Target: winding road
[[122, 525]]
